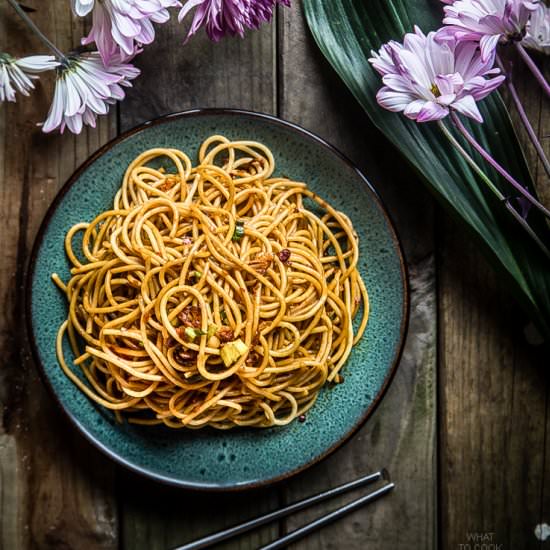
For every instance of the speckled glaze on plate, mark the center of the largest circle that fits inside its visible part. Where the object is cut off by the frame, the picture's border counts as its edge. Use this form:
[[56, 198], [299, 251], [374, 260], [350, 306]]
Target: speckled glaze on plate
[[239, 458]]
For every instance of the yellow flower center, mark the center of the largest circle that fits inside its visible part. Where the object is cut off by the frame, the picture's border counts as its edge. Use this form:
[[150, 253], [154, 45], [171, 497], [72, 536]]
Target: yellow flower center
[[435, 90]]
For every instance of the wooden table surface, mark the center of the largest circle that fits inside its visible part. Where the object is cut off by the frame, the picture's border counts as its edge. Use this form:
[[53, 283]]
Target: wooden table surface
[[463, 427]]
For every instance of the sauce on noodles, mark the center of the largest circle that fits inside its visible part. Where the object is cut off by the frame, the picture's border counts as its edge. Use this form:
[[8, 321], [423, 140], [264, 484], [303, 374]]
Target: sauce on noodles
[[214, 295]]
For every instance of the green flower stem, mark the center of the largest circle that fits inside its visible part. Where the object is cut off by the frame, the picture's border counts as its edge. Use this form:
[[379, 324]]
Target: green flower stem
[[474, 166], [34, 28], [471, 161]]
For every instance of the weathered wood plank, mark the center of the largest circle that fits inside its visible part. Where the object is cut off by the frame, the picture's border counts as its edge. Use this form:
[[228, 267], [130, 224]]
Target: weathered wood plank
[[11, 520], [157, 518], [493, 394], [401, 434], [494, 390], [543, 128], [56, 492], [231, 73]]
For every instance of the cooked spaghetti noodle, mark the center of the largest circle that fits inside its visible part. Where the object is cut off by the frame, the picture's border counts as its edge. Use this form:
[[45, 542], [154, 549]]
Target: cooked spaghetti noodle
[[213, 295]]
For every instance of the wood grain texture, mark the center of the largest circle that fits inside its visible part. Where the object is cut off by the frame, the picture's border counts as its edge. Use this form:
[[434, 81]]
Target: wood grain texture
[[401, 435], [232, 73], [493, 384], [54, 488], [178, 516]]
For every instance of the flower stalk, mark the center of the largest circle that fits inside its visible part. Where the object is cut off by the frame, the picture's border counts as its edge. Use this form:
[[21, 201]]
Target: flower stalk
[[34, 28], [533, 68], [523, 117], [490, 160], [483, 176]]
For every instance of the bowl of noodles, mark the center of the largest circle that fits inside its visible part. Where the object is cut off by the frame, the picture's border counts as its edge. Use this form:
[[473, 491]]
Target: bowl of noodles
[[217, 299]]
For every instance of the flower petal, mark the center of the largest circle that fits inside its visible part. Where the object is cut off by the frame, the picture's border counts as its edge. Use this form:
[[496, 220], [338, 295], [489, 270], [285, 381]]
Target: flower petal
[[82, 7], [55, 114], [37, 63], [413, 108], [432, 111], [393, 101], [488, 44], [467, 106]]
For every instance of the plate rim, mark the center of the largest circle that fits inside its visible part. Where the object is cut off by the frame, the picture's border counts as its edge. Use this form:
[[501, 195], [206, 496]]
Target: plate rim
[[102, 447]]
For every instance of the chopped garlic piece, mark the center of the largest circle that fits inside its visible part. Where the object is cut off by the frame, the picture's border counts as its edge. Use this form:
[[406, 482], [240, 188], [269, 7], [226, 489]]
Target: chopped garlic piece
[[232, 351]]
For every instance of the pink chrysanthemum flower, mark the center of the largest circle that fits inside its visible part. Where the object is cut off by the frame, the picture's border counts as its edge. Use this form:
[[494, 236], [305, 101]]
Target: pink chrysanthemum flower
[[85, 88], [487, 21], [118, 25], [221, 17], [425, 78], [538, 30]]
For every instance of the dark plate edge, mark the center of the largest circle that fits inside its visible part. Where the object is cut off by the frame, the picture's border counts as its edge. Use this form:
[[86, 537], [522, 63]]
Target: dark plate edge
[[27, 297]]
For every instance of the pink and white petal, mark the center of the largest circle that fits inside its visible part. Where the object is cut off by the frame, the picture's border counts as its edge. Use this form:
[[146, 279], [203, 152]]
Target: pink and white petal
[[487, 45], [125, 43], [446, 83], [187, 7], [117, 93], [125, 25], [147, 33], [93, 101], [98, 81], [74, 123], [397, 82], [55, 114], [73, 100], [446, 99], [489, 85], [412, 109], [393, 101], [160, 16], [493, 24], [7, 93], [468, 107], [439, 56], [37, 63], [416, 68], [83, 7], [383, 62], [432, 111], [89, 118], [465, 56], [20, 80], [101, 34], [416, 42]]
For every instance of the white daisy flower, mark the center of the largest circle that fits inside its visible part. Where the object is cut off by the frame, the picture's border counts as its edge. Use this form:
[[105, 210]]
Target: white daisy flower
[[18, 74], [85, 88]]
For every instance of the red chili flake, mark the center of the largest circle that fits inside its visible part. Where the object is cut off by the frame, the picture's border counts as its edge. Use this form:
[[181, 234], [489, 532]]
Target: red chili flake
[[284, 255]]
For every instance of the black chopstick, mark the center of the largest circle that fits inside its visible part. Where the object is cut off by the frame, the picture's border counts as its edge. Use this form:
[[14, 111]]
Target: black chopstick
[[277, 514], [301, 532]]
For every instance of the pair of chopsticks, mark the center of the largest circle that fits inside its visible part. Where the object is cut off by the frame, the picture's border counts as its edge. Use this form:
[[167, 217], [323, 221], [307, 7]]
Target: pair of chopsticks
[[301, 532]]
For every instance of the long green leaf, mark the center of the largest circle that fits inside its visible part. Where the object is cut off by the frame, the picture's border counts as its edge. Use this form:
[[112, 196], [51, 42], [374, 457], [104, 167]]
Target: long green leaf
[[346, 31]]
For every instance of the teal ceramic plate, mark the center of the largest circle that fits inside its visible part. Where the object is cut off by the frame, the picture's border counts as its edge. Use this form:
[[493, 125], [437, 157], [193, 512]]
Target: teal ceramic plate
[[239, 458]]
